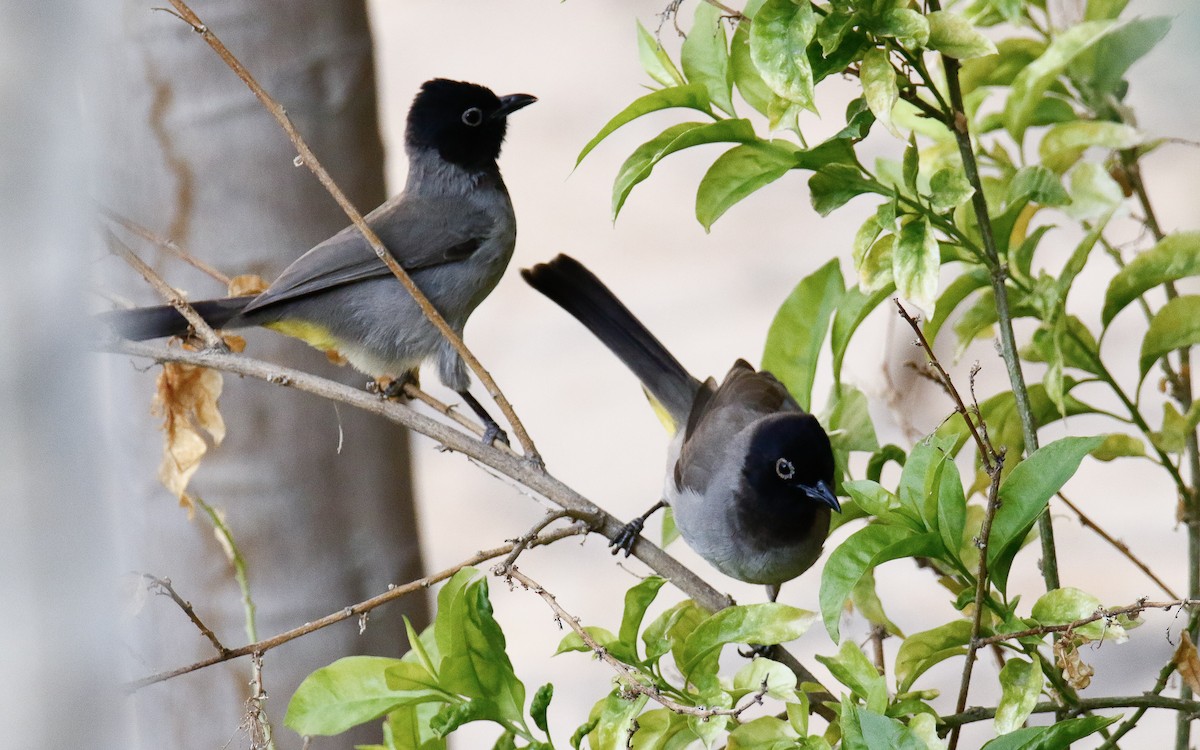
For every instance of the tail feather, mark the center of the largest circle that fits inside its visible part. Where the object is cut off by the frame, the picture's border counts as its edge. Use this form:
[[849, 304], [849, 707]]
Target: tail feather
[[143, 323], [577, 290]]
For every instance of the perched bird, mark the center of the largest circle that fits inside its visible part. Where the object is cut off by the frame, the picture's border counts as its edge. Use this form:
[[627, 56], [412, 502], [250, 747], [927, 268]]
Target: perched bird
[[452, 229], [749, 473]]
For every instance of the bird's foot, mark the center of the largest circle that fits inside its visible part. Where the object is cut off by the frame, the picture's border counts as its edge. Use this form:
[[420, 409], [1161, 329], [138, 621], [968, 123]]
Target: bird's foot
[[628, 534], [492, 433], [395, 387]]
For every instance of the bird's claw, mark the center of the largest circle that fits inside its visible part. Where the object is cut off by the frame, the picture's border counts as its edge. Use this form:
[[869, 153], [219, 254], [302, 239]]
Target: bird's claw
[[492, 433], [755, 650], [627, 536]]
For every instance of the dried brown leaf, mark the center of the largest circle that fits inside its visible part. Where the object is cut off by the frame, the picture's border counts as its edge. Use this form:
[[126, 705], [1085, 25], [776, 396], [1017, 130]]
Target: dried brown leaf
[[1187, 662], [1066, 655], [186, 399], [247, 283]]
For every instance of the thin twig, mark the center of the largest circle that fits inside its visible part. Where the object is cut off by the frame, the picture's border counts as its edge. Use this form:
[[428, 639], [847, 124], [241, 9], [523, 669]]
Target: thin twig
[[1119, 545], [1149, 700], [162, 586], [169, 245], [1164, 675], [633, 681], [393, 593], [1100, 614], [521, 543], [256, 721], [173, 296], [310, 160], [240, 571]]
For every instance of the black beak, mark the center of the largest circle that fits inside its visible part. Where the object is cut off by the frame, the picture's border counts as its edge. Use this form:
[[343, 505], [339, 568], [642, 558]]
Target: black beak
[[511, 103], [822, 494]]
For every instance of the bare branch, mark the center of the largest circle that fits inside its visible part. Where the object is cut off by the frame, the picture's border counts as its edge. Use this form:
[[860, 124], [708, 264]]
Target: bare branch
[[169, 245], [355, 610], [162, 587], [1100, 614], [309, 159], [1119, 545]]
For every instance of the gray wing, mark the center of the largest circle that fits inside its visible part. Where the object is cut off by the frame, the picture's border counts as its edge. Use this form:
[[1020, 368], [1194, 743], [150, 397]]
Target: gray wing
[[742, 398], [420, 232]]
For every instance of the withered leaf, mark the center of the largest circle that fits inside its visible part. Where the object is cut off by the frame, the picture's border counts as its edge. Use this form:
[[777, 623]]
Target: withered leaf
[[1066, 655], [247, 283], [1187, 663], [186, 399]]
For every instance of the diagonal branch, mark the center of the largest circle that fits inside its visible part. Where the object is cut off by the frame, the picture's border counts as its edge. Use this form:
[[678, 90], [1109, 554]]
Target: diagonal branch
[[1119, 545], [310, 160], [533, 478]]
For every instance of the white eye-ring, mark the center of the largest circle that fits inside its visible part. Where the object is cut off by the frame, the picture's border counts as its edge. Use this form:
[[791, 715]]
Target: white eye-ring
[[472, 117], [785, 469]]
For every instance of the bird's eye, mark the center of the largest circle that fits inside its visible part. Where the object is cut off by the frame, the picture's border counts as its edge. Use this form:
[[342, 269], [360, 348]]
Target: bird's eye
[[785, 469], [473, 116]]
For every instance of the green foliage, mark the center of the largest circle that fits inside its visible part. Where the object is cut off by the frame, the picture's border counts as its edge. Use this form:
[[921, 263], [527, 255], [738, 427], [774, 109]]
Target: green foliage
[[968, 230]]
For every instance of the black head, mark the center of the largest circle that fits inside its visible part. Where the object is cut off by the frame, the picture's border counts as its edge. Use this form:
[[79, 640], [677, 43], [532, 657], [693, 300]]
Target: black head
[[790, 463], [464, 122]]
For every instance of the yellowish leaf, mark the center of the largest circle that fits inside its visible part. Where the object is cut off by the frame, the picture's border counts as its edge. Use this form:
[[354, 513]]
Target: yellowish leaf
[[186, 399], [1066, 655], [247, 283], [1187, 663]]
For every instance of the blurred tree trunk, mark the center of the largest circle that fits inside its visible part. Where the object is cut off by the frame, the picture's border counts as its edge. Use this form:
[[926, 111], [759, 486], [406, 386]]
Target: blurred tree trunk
[[318, 499]]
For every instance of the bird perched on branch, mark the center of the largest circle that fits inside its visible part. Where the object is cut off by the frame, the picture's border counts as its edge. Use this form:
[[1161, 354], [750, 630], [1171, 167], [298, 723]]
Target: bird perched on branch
[[452, 229], [749, 473]]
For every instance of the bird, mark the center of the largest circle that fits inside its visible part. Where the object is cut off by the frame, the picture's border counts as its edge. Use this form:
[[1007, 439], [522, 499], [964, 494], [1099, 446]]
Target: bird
[[750, 474], [452, 229]]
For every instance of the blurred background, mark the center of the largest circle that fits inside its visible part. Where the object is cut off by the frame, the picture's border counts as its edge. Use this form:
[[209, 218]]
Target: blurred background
[[709, 297]]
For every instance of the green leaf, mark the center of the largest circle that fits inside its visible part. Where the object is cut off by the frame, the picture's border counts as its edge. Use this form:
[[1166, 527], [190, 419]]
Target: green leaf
[[669, 630], [1175, 326], [705, 56], [798, 331], [1020, 685], [951, 505], [1065, 605], [407, 728], [954, 36], [835, 185], [865, 550], [767, 624], [1119, 445], [763, 733], [852, 668], [920, 651], [1175, 257], [675, 138], [637, 601], [1094, 193], [1036, 184], [1064, 144], [831, 29], [949, 188], [908, 27], [661, 729], [351, 691], [779, 680], [853, 308], [539, 705], [1099, 70], [474, 661], [615, 718], [866, 600], [1176, 427], [953, 295], [911, 164], [655, 60], [916, 261], [1024, 495], [572, 641], [1015, 53], [1035, 79], [919, 480], [746, 77], [873, 498], [694, 96], [863, 729], [779, 39], [1059, 736], [453, 715], [879, 86], [875, 266], [739, 172]]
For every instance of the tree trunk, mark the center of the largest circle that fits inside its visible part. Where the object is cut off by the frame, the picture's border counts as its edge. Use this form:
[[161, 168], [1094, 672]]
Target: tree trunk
[[317, 499]]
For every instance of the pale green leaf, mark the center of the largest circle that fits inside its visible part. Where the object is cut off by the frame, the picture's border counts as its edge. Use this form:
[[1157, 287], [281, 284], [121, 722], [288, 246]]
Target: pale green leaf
[[779, 39], [1118, 445], [739, 172], [1175, 326], [1020, 685], [692, 97], [655, 60], [915, 263], [949, 188], [879, 86], [1176, 257], [920, 651], [1064, 144], [705, 56], [954, 36]]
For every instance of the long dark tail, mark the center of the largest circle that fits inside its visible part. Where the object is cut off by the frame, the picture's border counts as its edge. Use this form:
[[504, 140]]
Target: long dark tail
[[578, 291], [143, 323]]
